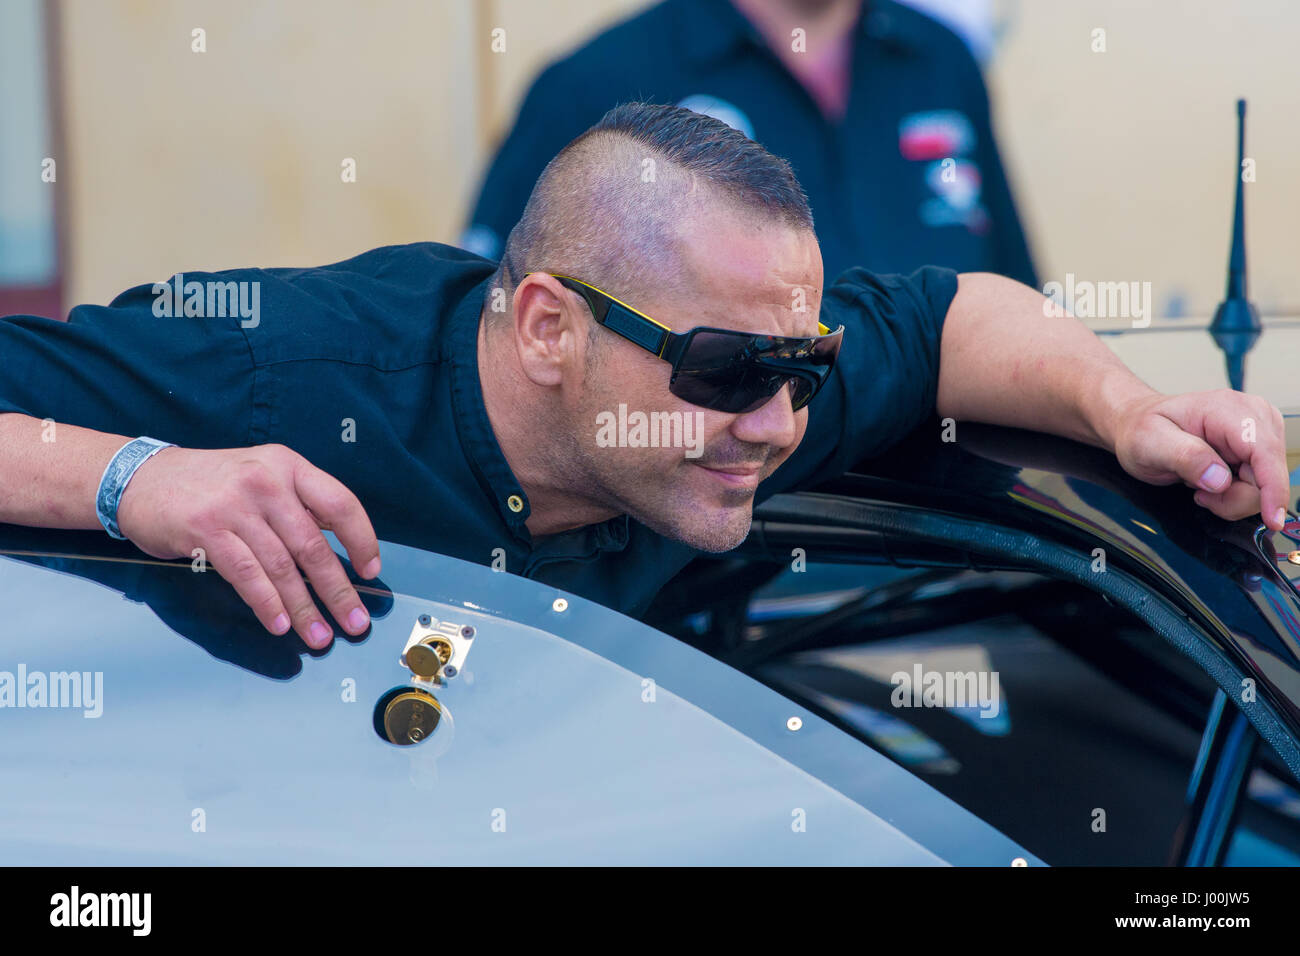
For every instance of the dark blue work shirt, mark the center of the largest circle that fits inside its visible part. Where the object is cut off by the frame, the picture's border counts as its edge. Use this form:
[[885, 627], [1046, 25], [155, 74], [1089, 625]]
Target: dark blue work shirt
[[911, 176], [369, 369]]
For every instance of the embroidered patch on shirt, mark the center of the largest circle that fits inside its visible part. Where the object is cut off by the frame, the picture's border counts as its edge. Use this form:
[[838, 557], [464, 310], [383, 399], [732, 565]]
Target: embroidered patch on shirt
[[935, 134]]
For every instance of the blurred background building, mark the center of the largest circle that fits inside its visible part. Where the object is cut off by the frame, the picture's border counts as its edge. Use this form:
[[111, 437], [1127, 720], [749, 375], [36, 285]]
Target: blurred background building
[[127, 155]]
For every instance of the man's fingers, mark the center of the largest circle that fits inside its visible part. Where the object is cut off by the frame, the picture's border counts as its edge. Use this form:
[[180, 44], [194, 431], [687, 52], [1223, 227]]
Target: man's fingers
[[1192, 460], [235, 562], [282, 569], [1268, 471], [317, 559], [1251, 430], [336, 508], [1239, 501], [1240, 429]]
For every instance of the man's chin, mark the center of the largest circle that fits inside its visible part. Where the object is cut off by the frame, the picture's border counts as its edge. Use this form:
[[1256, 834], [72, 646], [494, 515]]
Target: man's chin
[[717, 544], [714, 530]]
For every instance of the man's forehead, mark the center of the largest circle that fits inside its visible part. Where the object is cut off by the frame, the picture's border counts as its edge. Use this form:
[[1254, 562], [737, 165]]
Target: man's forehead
[[749, 279], [769, 306]]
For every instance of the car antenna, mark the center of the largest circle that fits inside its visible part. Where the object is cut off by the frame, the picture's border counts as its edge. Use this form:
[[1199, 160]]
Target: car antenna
[[1236, 325]]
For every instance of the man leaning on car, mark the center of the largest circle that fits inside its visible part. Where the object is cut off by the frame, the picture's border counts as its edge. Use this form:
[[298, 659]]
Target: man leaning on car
[[427, 396]]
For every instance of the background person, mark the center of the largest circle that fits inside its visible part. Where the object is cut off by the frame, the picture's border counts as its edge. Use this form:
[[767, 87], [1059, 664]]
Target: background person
[[881, 111]]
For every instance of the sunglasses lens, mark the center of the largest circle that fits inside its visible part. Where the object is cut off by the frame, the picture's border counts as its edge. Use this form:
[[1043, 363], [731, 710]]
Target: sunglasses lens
[[816, 366], [734, 391], [802, 392], [720, 371], [717, 371]]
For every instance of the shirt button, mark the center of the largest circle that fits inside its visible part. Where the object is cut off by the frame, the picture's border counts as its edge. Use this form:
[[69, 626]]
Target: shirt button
[[516, 503]]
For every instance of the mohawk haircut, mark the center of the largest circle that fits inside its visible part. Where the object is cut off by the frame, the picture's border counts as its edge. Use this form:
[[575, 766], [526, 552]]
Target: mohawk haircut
[[607, 208]]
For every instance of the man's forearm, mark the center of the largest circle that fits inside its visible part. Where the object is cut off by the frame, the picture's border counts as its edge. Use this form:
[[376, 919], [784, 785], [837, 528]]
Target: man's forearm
[[49, 473], [255, 513], [1003, 361]]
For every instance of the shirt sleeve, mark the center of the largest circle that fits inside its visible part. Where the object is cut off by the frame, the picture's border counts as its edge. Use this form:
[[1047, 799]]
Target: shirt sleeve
[[886, 377], [125, 369]]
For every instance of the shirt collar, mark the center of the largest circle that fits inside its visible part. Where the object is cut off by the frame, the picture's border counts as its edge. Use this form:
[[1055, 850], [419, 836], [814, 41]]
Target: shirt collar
[[711, 29], [475, 430], [892, 26], [482, 450]]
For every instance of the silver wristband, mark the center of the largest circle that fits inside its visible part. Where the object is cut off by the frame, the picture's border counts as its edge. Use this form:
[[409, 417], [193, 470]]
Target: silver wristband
[[118, 475]]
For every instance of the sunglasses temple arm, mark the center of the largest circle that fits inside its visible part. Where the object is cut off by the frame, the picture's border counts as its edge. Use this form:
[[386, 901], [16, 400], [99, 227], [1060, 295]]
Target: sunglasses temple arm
[[674, 348]]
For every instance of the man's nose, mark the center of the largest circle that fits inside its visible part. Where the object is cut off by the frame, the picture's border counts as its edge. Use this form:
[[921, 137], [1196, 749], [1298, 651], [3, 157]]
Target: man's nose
[[772, 423]]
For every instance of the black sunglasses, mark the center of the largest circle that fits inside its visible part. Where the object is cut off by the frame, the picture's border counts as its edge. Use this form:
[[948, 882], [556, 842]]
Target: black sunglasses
[[721, 369]]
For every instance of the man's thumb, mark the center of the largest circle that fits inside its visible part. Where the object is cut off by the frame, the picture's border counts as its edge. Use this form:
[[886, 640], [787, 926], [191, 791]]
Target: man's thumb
[[1199, 465]]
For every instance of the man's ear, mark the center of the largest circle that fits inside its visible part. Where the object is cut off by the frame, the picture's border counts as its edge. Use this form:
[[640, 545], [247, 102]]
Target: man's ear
[[548, 329]]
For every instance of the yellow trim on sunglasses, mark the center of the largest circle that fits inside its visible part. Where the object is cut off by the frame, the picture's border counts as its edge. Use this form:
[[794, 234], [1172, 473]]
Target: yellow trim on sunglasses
[[821, 329]]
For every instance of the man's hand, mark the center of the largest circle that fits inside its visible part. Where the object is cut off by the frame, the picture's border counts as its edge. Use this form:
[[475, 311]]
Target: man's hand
[[257, 513], [1009, 359], [1199, 438]]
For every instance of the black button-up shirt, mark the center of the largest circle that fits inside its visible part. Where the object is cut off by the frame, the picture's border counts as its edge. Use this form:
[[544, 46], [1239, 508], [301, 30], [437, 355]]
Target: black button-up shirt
[[911, 175], [369, 369]]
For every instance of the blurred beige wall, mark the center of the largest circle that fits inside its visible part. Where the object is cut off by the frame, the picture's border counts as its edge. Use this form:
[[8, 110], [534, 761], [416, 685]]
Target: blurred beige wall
[[234, 156], [1125, 160], [179, 160]]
